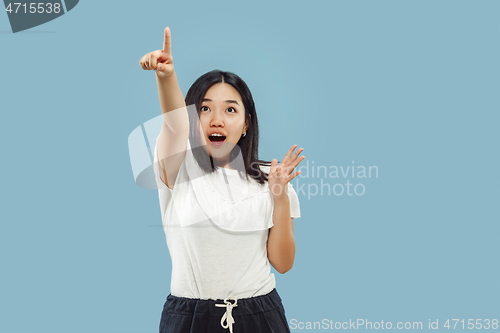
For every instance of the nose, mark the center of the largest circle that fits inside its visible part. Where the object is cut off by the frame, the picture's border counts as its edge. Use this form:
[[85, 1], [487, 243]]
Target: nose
[[217, 119]]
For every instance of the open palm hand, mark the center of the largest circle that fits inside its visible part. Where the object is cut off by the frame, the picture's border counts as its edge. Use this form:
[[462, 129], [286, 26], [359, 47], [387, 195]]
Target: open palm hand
[[280, 175]]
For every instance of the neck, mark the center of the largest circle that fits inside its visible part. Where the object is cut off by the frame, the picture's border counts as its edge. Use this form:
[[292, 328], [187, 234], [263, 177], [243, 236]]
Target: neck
[[221, 163]]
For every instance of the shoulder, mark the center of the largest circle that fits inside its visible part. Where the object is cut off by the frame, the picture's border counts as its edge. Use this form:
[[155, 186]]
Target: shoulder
[[265, 168]]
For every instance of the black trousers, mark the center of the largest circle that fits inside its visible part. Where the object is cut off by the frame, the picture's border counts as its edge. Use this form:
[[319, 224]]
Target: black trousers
[[259, 314]]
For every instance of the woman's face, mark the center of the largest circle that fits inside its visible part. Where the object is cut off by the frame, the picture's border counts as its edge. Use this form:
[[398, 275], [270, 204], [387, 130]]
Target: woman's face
[[222, 112]]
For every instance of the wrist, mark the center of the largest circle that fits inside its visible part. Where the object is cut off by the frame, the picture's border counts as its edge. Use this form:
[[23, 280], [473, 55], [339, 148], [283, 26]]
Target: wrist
[[282, 198], [164, 77]]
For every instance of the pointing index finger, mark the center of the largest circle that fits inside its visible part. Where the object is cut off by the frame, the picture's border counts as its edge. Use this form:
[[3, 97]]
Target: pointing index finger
[[167, 41]]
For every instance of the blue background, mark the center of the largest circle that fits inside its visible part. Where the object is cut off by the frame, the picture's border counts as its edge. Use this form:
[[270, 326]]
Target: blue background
[[411, 87]]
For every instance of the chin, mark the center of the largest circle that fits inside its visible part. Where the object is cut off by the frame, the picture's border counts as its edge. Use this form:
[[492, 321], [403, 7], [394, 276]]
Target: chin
[[222, 151]]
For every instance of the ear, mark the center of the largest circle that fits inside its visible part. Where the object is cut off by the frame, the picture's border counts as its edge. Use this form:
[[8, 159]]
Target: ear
[[246, 123]]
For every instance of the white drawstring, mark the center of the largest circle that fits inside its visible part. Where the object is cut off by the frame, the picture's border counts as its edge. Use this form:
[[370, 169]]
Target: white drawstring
[[228, 316]]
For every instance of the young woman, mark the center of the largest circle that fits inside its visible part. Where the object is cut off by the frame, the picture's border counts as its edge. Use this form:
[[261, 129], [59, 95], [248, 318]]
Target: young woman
[[226, 214]]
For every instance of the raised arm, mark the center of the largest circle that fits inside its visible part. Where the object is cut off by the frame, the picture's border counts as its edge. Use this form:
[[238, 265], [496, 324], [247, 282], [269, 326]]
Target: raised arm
[[174, 132]]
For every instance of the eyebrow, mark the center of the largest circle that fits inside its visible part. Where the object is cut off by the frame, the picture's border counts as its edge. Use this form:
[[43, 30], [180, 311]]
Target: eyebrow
[[227, 101]]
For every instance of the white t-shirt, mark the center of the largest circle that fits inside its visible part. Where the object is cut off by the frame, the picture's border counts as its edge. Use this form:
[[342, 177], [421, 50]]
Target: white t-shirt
[[216, 229]]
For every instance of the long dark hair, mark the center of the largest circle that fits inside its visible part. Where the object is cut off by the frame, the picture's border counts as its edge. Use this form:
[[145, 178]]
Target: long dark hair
[[248, 145]]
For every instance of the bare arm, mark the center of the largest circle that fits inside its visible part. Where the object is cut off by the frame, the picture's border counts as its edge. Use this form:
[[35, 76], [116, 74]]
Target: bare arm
[[174, 132], [281, 243]]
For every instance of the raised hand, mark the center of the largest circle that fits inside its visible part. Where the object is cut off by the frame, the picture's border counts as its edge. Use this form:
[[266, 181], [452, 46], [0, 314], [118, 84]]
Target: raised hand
[[280, 175], [160, 60]]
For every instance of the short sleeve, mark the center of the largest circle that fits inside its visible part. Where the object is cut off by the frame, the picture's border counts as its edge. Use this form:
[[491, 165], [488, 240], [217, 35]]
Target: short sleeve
[[292, 196], [294, 202], [156, 166]]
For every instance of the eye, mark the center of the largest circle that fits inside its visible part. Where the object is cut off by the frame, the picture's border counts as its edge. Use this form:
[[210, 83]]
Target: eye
[[231, 108], [202, 108]]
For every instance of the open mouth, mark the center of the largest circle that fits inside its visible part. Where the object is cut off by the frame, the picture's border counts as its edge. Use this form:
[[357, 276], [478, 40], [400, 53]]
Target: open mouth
[[217, 138]]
